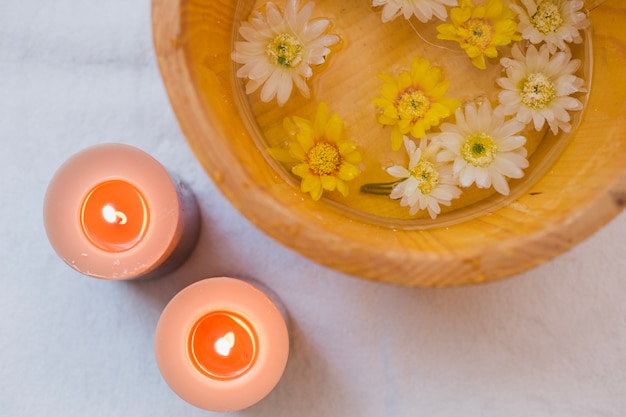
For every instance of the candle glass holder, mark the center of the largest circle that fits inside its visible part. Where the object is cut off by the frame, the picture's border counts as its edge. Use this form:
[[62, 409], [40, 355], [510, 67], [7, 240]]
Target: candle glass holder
[[222, 344], [113, 212]]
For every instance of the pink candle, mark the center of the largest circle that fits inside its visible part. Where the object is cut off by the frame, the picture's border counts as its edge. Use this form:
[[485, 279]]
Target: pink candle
[[221, 344], [112, 211]]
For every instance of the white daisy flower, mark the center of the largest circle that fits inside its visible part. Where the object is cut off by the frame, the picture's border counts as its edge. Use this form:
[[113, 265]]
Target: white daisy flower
[[426, 184], [555, 22], [538, 87], [483, 148], [279, 49], [424, 10]]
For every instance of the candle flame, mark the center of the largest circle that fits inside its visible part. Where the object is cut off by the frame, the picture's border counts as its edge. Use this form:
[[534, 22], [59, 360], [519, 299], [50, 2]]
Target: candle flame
[[224, 344], [113, 216]]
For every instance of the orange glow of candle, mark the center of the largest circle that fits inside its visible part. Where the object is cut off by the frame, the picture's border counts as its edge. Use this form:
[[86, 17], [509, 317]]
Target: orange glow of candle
[[223, 345], [114, 216]]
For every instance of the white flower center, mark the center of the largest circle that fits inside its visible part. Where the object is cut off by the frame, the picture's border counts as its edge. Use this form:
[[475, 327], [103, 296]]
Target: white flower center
[[537, 91], [412, 104], [323, 158], [426, 175], [285, 50], [547, 18], [479, 150]]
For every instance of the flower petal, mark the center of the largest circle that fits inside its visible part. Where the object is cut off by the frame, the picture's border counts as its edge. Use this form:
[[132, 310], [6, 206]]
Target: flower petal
[[348, 172]]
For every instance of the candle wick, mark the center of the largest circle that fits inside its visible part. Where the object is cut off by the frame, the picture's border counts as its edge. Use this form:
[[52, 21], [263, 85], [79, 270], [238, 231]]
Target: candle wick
[[122, 217], [113, 216]]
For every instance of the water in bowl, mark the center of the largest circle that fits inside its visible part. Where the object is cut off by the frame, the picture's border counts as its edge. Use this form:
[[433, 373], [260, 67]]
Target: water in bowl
[[348, 82]]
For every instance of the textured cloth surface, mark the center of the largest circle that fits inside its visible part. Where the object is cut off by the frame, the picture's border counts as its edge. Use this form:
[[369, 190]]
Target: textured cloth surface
[[73, 73]]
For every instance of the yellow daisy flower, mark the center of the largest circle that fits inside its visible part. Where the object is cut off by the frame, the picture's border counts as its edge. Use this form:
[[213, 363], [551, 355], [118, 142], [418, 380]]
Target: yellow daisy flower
[[324, 158], [480, 29], [414, 102]]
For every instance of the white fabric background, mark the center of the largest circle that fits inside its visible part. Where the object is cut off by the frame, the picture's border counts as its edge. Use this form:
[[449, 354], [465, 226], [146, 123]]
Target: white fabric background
[[548, 342]]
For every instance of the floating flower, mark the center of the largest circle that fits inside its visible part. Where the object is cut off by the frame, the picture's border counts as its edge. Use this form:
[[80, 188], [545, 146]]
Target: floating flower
[[480, 29], [538, 87], [484, 149], [324, 158], [279, 49], [414, 102], [555, 22], [424, 10], [425, 183]]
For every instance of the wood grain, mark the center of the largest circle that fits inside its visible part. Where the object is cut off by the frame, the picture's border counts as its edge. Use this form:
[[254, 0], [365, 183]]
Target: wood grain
[[581, 191]]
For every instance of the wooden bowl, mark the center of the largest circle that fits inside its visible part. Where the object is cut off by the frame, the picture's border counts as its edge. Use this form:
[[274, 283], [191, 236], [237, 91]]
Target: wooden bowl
[[577, 192]]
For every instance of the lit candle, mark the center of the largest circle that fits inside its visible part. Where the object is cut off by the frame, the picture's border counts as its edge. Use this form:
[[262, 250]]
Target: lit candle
[[112, 211], [221, 344]]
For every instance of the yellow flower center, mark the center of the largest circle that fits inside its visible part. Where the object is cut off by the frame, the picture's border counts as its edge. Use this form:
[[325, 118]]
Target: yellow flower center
[[479, 33], [323, 158], [412, 104], [479, 150], [547, 18], [537, 91], [426, 175], [285, 50]]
